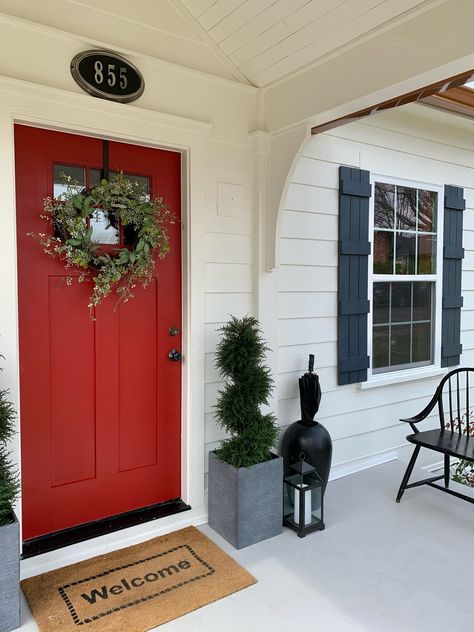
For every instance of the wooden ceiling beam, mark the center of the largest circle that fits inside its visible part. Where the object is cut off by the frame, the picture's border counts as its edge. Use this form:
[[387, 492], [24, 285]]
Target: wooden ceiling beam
[[439, 89]]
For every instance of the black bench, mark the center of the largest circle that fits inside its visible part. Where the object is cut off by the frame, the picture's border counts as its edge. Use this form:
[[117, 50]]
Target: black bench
[[455, 401]]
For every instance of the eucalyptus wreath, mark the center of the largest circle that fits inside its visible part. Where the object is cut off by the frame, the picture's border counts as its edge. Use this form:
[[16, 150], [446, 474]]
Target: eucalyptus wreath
[[71, 238]]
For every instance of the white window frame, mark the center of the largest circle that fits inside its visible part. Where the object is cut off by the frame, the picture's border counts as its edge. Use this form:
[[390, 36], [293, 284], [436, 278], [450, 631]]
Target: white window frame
[[419, 371]]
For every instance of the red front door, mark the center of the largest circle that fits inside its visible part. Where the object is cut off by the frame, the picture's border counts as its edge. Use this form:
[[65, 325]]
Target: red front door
[[100, 399]]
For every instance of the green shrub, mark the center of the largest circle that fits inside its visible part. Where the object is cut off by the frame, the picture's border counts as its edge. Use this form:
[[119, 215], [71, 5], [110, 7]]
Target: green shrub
[[240, 360], [9, 479]]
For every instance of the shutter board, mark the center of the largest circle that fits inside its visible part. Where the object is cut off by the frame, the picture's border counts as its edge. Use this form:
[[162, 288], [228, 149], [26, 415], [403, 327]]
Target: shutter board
[[354, 249], [453, 254]]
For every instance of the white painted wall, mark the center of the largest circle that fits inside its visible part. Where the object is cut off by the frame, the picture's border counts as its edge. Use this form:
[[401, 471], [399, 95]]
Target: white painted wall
[[413, 142]]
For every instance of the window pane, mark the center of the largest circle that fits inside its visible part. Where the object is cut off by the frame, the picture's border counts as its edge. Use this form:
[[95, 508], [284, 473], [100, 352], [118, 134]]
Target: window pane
[[421, 342], [426, 254], [95, 176], [400, 344], [65, 176], [142, 185], [381, 301], [380, 345], [384, 212], [405, 259], [427, 210], [383, 252], [401, 302], [105, 228], [406, 208], [422, 301]]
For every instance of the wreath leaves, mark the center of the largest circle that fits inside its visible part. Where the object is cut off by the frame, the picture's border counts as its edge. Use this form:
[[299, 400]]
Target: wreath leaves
[[71, 240]]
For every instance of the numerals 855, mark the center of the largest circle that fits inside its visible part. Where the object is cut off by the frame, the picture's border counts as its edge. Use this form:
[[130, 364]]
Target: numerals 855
[[110, 75]]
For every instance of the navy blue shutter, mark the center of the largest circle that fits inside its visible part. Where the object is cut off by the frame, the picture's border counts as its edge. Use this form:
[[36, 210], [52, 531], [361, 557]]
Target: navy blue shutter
[[453, 253], [354, 250]]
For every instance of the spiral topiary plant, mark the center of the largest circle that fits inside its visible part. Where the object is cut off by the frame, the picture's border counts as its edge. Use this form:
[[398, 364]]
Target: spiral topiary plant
[[240, 361], [9, 479]]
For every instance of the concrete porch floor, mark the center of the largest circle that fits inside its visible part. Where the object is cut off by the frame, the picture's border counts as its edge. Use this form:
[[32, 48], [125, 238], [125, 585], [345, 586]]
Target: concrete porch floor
[[378, 567]]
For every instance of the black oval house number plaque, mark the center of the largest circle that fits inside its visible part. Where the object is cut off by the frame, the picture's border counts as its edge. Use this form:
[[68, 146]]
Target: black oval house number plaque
[[107, 76]]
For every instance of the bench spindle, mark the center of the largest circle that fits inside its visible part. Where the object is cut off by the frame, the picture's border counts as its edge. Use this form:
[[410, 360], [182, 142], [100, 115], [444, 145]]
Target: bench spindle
[[458, 393]]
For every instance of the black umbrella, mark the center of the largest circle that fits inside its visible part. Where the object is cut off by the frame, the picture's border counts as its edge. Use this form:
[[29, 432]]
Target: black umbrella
[[306, 438], [310, 393]]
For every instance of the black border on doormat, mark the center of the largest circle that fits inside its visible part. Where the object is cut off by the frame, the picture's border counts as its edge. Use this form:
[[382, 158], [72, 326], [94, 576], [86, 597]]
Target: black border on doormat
[[72, 611], [89, 530]]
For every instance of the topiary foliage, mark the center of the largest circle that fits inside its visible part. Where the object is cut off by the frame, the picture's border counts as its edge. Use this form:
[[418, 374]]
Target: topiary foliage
[[240, 360], [9, 479]]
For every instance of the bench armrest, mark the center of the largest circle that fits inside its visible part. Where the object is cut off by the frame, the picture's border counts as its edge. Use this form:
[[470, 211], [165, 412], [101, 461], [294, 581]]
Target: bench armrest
[[424, 413]]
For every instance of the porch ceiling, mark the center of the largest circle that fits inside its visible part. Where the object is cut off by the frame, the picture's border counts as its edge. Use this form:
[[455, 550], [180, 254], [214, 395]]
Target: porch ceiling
[[270, 39], [251, 42]]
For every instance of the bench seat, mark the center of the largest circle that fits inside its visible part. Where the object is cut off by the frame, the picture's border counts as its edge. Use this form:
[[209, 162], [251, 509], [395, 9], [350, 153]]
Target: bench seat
[[446, 442]]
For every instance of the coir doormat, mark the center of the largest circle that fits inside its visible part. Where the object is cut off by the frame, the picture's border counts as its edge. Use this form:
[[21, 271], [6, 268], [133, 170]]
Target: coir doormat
[[137, 588]]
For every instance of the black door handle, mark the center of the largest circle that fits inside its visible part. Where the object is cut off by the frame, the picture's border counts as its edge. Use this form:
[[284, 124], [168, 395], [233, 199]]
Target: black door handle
[[174, 355]]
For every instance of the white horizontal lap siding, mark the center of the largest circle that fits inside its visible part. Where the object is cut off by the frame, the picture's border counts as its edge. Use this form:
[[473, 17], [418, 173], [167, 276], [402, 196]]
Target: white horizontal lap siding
[[412, 143], [229, 255]]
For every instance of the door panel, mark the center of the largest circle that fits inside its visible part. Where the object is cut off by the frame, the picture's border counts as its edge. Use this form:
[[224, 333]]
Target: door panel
[[137, 381], [100, 400], [72, 400]]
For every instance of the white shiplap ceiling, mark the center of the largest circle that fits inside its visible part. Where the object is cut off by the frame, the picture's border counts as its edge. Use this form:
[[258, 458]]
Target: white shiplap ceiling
[[253, 42], [269, 39]]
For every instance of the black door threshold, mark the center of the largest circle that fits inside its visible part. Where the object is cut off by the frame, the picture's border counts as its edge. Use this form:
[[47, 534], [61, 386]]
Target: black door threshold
[[66, 537]]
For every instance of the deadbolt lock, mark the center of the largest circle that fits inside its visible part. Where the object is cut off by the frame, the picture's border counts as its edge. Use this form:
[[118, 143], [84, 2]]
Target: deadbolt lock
[[173, 331]]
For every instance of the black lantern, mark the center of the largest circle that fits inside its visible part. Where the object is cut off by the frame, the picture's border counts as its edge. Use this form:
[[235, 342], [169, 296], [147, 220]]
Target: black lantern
[[303, 499]]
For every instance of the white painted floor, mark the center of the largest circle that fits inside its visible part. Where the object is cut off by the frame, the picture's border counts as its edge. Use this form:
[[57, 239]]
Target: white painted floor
[[378, 567]]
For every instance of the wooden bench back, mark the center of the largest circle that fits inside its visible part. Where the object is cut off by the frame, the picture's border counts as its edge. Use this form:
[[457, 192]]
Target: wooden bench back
[[456, 401]]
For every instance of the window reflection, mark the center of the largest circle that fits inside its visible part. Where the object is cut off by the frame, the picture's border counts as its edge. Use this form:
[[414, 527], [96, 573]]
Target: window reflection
[[105, 227], [402, 324], [68, 177]]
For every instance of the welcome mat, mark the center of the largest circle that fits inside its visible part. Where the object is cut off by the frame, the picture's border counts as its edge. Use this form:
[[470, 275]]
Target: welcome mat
[[136, 588]]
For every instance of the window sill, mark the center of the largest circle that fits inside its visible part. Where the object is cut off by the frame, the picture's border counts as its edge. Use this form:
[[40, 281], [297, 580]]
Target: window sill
[[409, 375]]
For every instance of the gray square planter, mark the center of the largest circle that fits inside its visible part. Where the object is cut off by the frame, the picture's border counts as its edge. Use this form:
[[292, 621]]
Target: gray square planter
[[10, 576], [245, 504]]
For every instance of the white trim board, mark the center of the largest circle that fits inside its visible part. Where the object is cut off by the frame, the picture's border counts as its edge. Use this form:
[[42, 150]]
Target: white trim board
[[357, 465]]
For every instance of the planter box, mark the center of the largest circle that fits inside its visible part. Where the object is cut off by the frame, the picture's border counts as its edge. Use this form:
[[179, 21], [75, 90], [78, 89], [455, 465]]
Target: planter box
[[10, 576], [245, 504]]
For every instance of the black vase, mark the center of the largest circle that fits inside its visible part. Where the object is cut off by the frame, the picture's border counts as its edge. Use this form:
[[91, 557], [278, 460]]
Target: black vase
[[307, 439], [310, 442]]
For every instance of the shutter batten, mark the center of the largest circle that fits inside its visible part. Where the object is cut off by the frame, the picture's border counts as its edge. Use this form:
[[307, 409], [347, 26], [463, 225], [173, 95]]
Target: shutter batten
[[354, 249], [453, 254]]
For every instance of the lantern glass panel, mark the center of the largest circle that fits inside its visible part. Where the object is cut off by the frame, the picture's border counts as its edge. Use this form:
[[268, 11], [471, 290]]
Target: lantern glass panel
[[310, 513]]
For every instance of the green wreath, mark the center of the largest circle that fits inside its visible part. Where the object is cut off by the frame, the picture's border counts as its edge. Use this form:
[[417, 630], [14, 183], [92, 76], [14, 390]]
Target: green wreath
[[122, 202]]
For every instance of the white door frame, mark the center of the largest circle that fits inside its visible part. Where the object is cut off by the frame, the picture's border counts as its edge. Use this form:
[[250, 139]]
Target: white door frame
[[52, 109]]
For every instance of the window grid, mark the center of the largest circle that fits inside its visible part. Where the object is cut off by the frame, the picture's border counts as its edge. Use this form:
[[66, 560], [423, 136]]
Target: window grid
[[400, 231], [411, 262], [410, 322]]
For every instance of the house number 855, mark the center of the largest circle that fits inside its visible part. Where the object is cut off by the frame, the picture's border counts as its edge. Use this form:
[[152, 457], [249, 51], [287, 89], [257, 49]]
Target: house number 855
[[111, 75]]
